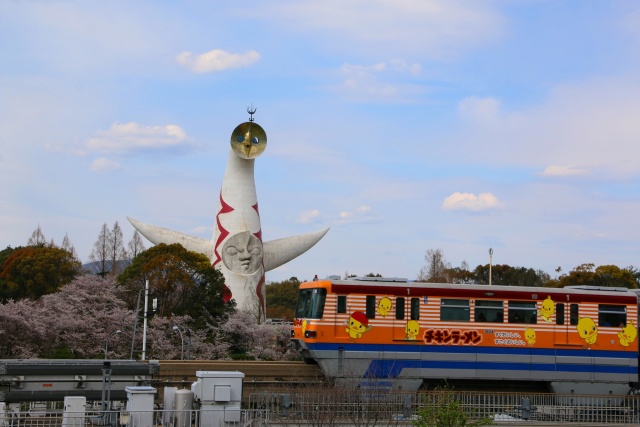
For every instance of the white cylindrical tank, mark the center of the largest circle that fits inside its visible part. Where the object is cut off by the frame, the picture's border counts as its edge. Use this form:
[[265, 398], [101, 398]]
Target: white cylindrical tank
[[169, 399], [183, 408]]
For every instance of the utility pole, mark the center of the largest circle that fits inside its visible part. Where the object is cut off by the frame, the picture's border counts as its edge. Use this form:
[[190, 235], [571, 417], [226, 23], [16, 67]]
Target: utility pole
[[146, 314]]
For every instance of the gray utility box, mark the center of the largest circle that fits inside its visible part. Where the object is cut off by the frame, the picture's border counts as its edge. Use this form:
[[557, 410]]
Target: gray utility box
[[219, 394], [140, 406]]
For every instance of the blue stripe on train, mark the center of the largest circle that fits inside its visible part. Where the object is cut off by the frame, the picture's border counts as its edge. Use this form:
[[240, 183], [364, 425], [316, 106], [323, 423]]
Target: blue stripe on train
[[392, 368], [472, 350]]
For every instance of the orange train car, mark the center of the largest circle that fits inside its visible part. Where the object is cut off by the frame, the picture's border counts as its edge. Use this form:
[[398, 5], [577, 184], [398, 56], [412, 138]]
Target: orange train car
[[395, 334]]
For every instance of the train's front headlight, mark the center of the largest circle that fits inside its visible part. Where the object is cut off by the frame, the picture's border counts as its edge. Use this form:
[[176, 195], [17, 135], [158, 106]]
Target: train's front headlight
[[310, 334]]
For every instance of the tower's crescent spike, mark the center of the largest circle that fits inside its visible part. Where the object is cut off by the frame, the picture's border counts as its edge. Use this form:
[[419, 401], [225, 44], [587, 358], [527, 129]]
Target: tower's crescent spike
[[281, 251], [157, 235]]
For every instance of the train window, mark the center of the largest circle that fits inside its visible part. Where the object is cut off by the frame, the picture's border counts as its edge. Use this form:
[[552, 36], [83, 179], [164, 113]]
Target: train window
[[311, 303], [573, 314], [371, 306], [399, 308], [559, 314], [415, 308], [342, 303], [612, 315], [523, 312], [455, 309], [489, 311]]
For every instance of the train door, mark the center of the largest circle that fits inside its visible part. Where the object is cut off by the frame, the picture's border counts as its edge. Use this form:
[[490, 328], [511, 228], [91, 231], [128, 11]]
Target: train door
[[567, 316], [399, 321], [406, 325], [342, 317]]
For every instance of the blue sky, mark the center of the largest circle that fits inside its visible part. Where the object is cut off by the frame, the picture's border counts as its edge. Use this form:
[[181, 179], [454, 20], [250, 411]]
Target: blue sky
[[401, 125]]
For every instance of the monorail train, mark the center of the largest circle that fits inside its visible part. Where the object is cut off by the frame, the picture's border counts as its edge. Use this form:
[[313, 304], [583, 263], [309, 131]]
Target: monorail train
[[395, 334]]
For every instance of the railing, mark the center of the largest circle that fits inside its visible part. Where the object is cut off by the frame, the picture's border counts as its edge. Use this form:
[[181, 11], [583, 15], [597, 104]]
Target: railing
[[182, 418], [330, 407]]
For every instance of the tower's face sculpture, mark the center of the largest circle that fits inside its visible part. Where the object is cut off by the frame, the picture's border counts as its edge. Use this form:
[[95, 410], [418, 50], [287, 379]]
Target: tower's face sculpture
[[248, 140], [242, 253]]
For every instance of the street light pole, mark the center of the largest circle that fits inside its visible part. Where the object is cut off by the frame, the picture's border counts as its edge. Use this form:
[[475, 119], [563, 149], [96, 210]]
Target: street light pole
[[106, 343], [490, 263], [176, 328], [188, 333]]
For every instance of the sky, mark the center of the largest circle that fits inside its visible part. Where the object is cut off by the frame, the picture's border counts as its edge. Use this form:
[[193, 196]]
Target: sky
[[402, 125]]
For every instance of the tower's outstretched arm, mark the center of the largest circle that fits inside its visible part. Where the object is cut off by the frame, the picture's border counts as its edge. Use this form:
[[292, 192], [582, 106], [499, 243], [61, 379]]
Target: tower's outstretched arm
[[281, 251], [276, 252], [158, 235]]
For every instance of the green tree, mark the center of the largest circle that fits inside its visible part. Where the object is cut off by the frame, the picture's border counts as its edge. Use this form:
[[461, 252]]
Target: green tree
[[37, 270], [281, 298], [635, 272], [184, 283], [461, 275], [442, 409], [505, 275], [603, 276]]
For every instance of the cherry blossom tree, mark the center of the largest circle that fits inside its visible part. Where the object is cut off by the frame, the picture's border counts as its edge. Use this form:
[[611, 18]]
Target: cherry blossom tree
[[21, 329], [257, 341], [85, 313]]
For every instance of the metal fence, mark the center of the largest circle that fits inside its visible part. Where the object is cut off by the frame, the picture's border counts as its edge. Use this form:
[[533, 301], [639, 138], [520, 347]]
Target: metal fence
[[360, 408], [330, 407], [183, 418]]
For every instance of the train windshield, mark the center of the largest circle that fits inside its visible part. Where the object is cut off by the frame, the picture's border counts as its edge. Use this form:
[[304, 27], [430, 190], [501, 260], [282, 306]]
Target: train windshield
[[311, 303]]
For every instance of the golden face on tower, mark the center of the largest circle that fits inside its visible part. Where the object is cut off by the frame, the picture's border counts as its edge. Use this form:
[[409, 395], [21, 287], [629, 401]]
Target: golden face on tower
[[248, 140]]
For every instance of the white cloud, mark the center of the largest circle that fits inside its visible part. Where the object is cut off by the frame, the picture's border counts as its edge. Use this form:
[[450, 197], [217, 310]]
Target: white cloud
[[307, 217], [556, 170], [479, 110], [469, 201], [591, 122], [131, 137], [217, 60], [427, 28], [380, 80], [102, 165], [360, 214], [399, 65]]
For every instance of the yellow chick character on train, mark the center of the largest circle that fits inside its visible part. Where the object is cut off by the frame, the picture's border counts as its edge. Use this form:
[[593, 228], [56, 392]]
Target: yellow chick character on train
[[384, 306], [628, 334], [358, 325], [587, 330], [530, 336], [412, 329], [547, 309]]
